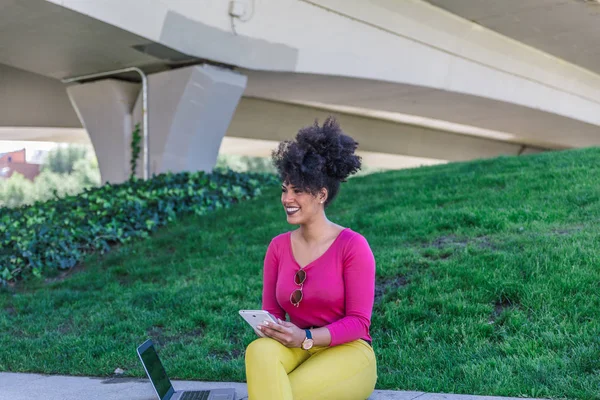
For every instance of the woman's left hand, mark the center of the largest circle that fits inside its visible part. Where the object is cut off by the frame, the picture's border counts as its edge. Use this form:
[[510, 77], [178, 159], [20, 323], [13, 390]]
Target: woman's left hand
[[284, 332]]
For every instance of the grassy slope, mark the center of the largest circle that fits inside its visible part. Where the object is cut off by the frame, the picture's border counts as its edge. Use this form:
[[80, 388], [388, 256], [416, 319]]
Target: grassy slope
[[488, 283]]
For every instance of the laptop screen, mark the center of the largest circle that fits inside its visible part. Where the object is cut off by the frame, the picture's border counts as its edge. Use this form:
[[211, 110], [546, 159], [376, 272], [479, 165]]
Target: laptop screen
[[156, 371]]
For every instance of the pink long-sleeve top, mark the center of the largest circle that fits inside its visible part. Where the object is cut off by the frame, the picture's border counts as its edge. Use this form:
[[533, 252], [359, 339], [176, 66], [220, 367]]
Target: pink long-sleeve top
[[338, 292]]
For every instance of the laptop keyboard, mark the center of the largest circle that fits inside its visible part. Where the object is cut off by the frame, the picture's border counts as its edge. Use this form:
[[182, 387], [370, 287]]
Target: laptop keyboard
[[202, 395]]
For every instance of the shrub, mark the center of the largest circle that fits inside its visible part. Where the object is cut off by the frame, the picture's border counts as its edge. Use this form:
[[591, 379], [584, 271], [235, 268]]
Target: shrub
[[249, 164], [62, 159], [77, 175], [57, 234], [15, 191]]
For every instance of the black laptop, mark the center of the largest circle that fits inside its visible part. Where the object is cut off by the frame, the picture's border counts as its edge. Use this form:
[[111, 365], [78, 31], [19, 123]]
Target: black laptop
[[162, 385]]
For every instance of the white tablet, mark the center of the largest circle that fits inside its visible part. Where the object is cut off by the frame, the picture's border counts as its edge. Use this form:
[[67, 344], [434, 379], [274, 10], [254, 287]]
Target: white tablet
[[257, 317]]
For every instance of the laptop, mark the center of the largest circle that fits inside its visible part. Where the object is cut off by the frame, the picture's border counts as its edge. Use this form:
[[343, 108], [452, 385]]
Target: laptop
[[162, 385]]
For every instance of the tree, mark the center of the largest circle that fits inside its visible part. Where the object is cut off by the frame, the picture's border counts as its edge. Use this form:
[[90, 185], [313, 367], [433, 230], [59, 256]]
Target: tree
[[61, 160], [16, 191], [87, 173], [67, 171], [245, 164]]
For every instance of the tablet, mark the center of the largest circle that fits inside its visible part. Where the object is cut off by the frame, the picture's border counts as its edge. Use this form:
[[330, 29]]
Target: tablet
[[257, 317]]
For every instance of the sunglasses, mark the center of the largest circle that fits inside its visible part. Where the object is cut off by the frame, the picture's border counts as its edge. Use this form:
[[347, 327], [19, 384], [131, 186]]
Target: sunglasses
[[296, 296]]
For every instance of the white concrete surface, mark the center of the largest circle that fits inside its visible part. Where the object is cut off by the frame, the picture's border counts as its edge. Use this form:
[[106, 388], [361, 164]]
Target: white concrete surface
[[407, 42], [51, 387], [29, 100], [261, 119], [190, 110], [36, 134], [181, 115], [189, 113], [104, 108], [566, 29], [398, 56]]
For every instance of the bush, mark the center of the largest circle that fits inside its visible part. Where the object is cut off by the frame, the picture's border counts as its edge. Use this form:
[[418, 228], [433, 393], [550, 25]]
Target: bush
[[62, 159], [77, 175], [249, 164], [16, 191], [57, 234]]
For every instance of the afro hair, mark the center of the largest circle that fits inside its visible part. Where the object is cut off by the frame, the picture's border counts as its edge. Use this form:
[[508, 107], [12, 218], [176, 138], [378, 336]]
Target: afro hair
[[319, 157]]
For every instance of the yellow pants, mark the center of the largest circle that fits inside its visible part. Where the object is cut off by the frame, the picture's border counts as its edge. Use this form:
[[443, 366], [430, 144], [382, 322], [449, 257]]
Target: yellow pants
[[275, 372]]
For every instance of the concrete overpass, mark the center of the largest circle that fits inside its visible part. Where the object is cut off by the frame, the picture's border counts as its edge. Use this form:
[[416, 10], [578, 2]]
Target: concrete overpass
[[440, 79]]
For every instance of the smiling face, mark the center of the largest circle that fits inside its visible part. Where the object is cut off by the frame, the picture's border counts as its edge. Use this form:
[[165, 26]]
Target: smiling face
[[301, 206]]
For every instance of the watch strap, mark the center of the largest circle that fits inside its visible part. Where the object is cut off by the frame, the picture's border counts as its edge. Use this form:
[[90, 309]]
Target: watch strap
[[308, 334]]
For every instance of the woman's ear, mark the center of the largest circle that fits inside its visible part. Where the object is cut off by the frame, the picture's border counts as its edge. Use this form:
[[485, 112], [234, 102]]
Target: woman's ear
[[323, 196]]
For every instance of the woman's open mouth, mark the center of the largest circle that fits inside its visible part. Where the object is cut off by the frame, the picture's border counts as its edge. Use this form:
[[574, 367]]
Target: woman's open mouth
[[291, 210]]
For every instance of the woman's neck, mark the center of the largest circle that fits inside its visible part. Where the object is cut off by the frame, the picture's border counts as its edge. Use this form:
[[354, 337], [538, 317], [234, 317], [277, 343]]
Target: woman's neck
[[316, 231]]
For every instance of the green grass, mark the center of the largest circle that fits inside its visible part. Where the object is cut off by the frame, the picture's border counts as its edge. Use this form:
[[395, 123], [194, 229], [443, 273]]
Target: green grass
[[488, 282]]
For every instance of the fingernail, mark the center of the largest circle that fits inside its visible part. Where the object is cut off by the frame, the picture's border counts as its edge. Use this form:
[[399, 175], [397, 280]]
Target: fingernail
[[266, 323], [259, 327]]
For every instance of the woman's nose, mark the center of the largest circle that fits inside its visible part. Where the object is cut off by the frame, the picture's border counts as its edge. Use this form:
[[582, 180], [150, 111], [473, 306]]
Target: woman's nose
[[286, 197]]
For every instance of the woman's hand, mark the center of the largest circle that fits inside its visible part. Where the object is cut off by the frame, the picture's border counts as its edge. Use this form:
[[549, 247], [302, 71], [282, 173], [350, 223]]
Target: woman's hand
[[284, 332]]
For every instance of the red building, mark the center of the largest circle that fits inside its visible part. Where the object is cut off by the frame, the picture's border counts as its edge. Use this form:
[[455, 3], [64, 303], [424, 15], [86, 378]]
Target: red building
[[16, 161]]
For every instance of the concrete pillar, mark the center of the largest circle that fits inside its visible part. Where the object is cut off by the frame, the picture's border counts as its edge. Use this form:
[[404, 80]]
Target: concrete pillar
[[104, 109], [189, 112]]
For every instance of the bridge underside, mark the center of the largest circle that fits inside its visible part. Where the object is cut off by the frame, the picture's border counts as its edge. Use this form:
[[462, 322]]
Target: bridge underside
[[276, 105], [525, 125], [423, 100]]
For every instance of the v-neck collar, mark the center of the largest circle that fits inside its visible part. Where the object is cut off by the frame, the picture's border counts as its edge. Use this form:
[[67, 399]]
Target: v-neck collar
[[318, 258]]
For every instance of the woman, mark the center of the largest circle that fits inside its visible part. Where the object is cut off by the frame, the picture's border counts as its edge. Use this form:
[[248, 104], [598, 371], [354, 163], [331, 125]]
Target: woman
[[322, 276]]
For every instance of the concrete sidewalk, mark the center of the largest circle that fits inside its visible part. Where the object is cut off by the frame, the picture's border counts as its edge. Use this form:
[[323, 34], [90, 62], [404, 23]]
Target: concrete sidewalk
[[51, 387]]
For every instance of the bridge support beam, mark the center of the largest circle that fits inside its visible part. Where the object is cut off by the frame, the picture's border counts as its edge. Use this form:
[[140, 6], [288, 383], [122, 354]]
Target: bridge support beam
[[271, 120], [189, 111]]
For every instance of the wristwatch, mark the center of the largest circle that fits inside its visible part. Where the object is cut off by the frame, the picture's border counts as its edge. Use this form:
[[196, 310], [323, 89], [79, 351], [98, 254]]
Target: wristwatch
[[308, 342]]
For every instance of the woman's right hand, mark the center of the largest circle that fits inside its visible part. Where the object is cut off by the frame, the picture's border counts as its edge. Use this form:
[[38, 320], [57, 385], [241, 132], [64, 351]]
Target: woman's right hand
[[284, 332]]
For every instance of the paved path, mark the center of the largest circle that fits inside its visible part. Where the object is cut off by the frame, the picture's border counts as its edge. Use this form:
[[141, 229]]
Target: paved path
[[52, 387]]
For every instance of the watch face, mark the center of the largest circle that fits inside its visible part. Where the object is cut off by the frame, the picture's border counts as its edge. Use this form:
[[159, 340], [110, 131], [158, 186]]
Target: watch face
[[307, 344]]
